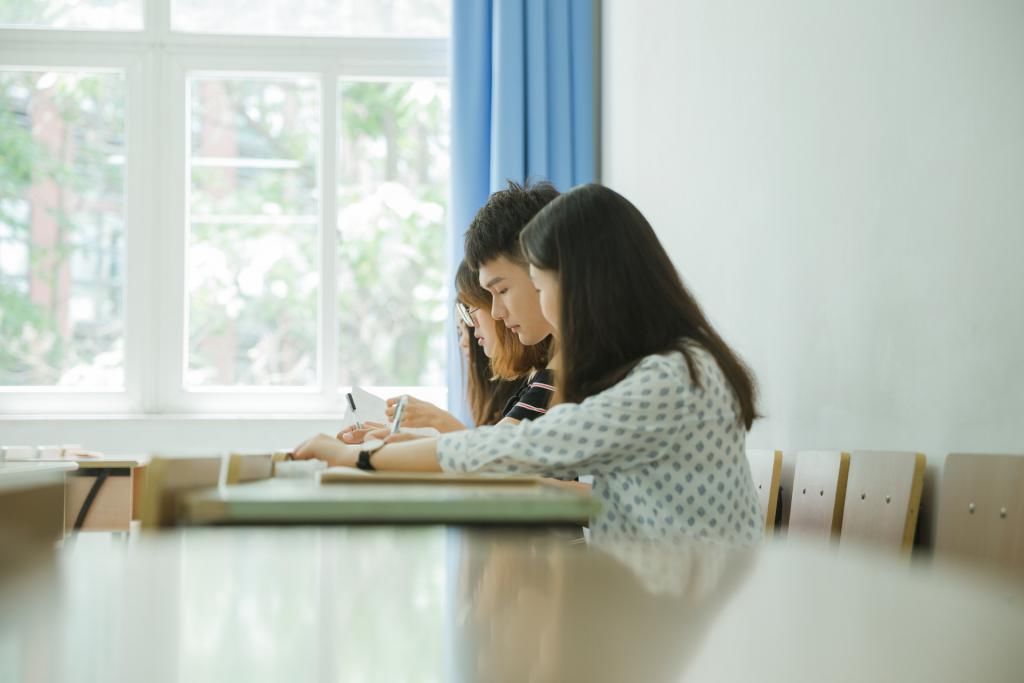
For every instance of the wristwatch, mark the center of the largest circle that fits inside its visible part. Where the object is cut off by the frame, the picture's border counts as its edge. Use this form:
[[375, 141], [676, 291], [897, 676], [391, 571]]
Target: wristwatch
[[369, 448]]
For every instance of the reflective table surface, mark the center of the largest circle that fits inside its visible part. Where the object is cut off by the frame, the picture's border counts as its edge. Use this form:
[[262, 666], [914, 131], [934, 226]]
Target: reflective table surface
[[441, 604]]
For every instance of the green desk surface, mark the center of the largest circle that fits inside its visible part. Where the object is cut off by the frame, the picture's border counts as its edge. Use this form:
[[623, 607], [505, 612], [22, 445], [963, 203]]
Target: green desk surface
[[299, 501]]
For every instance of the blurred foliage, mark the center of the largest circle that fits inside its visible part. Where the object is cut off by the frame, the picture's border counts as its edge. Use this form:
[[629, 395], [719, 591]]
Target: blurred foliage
[[61, 295], [392, 208], [254, 287], [79, 14], [254, 248]]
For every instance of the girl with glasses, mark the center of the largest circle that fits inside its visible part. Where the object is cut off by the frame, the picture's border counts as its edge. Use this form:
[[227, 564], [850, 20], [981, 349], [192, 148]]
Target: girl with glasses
[[651, 401]]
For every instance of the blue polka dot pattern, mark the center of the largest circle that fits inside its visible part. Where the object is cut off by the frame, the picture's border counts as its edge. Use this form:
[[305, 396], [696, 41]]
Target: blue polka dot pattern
[[654, 470]]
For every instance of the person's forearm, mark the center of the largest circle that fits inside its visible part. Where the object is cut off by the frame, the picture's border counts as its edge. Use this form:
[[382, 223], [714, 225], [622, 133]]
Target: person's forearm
[[446, 422], [418, 455]]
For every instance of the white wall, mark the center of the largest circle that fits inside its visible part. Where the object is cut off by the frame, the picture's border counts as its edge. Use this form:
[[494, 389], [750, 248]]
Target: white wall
[[841, 184]]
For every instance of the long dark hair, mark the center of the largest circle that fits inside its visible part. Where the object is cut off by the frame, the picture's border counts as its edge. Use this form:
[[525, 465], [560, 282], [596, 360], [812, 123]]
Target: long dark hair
[[621, 297], [486, 393]]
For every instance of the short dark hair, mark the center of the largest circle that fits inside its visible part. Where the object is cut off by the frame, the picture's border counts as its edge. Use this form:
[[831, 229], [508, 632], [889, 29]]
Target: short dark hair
[[621, 298], [495, 229]]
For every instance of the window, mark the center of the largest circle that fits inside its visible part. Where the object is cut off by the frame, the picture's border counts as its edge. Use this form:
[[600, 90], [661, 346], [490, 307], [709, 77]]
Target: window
[[254, 220], [110, 15], [391, 193], [227, 207], [313, 17], [62, 228]]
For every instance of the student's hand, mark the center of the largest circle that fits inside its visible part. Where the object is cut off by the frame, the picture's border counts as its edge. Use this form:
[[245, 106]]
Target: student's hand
[[381, 434], [424, 414], [352, 434], [328, 449], [400, 436], [386, 436]]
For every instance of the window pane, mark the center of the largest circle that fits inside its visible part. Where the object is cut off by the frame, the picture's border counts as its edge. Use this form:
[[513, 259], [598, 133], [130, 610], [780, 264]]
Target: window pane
[[392, 206], [110, 15], [314, 17], [253, 276], [62, 229]]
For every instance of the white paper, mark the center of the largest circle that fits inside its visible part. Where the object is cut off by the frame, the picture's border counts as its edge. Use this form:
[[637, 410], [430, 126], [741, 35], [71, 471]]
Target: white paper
[[369, 408], [299, 469]]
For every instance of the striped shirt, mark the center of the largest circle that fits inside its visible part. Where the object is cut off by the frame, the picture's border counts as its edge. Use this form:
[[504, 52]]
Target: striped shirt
[[532, 399]]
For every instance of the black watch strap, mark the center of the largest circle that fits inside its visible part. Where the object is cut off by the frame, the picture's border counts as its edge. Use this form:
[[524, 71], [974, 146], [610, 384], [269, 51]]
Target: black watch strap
[[363, 462]]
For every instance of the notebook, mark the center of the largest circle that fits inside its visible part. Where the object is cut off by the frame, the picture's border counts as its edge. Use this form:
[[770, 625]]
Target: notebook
[[369, 408]]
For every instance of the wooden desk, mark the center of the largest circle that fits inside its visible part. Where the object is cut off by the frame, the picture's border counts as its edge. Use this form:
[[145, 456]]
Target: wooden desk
[[288, 501], [102, 494], [32, 502], [429, 603]]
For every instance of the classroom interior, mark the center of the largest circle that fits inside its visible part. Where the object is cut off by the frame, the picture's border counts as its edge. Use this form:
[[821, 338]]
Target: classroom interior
[[219, 222]]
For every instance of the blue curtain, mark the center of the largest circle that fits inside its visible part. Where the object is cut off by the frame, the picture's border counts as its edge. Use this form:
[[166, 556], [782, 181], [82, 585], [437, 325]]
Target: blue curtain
[[522, 108]]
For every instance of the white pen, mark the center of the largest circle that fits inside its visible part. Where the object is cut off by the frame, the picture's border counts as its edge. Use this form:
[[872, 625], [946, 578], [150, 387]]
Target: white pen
[[399, 412], [352, 405]]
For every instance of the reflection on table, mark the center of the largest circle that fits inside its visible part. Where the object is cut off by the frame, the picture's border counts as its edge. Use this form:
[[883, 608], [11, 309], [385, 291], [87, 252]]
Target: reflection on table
[[437, 604]]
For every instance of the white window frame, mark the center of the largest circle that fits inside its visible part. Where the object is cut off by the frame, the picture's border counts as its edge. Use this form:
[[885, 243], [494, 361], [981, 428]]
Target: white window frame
[[156, 62]]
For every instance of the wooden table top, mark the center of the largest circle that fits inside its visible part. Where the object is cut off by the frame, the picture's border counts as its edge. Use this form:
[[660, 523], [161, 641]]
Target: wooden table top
[[434, 604]]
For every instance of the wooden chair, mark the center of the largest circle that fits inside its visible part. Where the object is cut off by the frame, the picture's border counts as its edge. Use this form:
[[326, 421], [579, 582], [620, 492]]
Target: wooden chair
[[167, 478], [785, 490], [883, 497], [981, 511], [766, 469], [819, 493]]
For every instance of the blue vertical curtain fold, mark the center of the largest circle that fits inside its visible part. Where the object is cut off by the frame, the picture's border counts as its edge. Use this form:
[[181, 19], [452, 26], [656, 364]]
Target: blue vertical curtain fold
[[522, 108]]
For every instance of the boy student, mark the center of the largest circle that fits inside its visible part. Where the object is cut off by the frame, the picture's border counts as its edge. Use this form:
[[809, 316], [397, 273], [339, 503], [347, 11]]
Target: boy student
[[520, 348], [493, 250], [650, 399]]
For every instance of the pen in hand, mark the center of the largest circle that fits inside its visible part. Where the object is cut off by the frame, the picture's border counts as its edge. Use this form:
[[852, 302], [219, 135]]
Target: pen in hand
[[352, 405], [399, 413]]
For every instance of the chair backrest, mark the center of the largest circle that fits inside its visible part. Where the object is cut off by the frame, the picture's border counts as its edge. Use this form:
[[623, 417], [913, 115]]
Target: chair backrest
[[819, 493], [243, 467], [883, 497], [981, 511], [766, 469], [168, 478]]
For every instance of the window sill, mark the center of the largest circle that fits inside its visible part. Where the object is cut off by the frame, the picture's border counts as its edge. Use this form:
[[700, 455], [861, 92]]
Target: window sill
[[167, 417], [168, 434]]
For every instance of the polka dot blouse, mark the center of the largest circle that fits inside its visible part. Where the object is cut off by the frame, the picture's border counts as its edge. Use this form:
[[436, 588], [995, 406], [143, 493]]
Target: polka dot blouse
[[667, 456]]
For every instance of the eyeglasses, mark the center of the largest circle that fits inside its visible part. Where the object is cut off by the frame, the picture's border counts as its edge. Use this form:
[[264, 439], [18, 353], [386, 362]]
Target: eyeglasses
[[466, 313]]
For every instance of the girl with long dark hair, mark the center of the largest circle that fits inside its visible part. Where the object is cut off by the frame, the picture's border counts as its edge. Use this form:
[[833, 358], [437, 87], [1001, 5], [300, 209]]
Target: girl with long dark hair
[[651, 401]]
